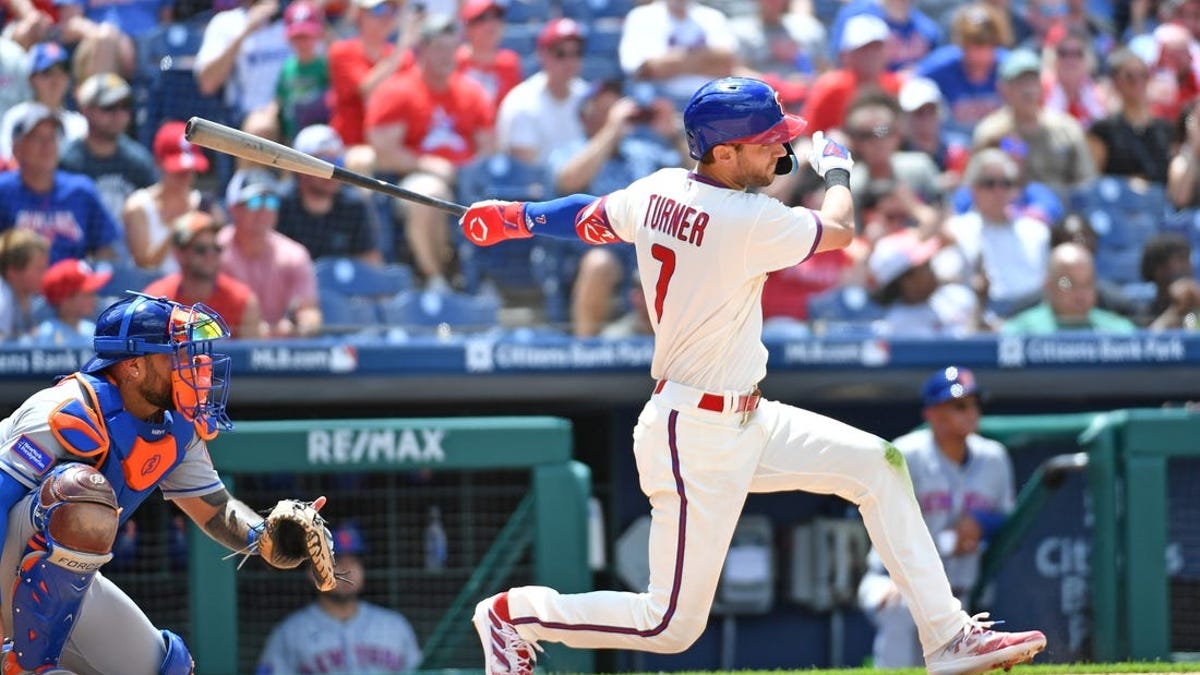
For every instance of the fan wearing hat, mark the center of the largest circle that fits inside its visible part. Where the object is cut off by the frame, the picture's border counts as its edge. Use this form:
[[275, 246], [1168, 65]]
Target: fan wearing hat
[[913, 32], [918, 304], [1058, 153], [964, 484], [542, 112], [199, 278], [481, 57], [70, 287], [61, 206], [924, 109], [863, 64], [341, 628], [149, 212], [966, 71], [423, 124], [49, 69], [117, 163], [328, 218], [303, 85], [276, 267]]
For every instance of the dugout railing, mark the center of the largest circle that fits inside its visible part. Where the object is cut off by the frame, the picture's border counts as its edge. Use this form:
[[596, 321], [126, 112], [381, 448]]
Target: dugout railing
[[513, 502], [1137, 467]]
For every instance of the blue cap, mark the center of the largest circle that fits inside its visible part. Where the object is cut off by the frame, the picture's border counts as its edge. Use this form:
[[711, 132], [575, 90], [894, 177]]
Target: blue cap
[[347, 540], [948, 383], [45, 55]]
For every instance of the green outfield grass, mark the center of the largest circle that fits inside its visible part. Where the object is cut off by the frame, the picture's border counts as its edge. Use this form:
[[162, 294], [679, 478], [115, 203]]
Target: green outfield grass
[[1048, 669]]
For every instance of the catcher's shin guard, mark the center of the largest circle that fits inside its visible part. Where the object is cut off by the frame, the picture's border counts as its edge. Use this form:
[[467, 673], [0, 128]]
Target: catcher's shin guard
[[75, 517]]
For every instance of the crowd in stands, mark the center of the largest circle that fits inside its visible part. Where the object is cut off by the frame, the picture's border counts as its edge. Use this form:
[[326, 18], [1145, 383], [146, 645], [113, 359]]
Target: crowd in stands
[[1021, 165]]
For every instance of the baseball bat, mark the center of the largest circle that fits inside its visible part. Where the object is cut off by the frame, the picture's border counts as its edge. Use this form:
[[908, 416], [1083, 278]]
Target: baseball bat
[[230, 141]]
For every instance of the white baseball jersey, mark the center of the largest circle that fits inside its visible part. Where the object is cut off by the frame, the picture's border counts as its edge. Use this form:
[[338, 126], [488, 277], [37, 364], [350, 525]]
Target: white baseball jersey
[[704, 252], [701, 444], [376, 640]]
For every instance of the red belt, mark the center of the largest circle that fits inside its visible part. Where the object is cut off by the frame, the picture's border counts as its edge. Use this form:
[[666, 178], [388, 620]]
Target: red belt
[[716, 402]]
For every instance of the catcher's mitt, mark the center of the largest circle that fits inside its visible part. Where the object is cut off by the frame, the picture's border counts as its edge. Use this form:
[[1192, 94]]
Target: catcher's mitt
[[293, 532]]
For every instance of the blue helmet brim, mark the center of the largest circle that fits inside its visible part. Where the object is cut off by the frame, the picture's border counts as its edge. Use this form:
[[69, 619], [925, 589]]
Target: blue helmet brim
[[97, 363]]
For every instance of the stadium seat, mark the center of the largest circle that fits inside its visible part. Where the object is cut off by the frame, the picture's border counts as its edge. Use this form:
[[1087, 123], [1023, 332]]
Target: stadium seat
[[164, 84], [520, 37], [523, 11], [844, 304], [430, 309], [353, 277], [500, 176], [348, 314], [587, 11], [126, 278], [1124, 214]]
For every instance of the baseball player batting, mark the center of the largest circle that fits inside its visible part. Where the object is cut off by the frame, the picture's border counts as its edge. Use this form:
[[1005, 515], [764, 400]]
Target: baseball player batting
[[706, 439], [76, 460]]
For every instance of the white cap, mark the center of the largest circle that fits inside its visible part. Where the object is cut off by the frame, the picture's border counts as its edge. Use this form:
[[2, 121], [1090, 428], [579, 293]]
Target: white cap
[[899, 252], [320, 140], [919, 92], [863, 29]]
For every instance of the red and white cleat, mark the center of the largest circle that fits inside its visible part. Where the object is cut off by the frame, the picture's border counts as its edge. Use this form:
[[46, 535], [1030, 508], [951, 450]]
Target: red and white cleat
[[978, 649], [505, 652]]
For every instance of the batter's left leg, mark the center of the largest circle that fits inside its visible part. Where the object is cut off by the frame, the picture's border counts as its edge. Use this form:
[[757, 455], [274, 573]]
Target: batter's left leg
[[695, 469]]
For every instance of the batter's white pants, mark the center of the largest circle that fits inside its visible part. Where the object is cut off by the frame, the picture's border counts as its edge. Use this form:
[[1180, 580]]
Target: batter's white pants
[[111, 636], [696, 467]]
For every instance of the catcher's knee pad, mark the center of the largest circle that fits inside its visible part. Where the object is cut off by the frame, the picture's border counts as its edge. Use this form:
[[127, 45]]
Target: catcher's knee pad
[[75, 517], [178, 660]]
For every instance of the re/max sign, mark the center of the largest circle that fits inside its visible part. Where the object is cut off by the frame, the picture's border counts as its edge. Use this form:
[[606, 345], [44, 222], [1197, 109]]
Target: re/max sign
[[374, 446]]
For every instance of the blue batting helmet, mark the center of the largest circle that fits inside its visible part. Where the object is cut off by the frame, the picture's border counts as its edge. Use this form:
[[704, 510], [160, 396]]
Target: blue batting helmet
[[738, 110], [948, 383], [140, 325]]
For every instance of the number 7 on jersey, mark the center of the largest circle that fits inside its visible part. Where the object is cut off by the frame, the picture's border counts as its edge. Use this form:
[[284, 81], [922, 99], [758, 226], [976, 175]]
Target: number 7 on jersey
[[666, 257]]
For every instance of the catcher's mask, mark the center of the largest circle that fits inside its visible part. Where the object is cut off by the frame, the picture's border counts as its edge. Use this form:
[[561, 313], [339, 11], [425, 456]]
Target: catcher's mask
[[138, 325], [741, 110]]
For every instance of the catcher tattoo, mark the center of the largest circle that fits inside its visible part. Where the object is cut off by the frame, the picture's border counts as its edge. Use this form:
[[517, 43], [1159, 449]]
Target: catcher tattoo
[[232, 523]]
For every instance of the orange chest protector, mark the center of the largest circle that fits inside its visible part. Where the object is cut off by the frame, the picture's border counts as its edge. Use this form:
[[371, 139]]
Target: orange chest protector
[[134, 455]]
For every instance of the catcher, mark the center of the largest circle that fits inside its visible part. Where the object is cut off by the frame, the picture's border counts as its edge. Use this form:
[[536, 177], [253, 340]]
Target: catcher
[[76, 460]]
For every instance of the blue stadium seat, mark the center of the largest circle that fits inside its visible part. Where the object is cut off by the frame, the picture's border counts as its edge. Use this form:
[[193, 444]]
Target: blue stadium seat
[[347, 314], [500, 177], [586, 11], [164, 84], [127, 278], [603, 41], [598, 68], [1124, 214], [522, 11], [844, 304], [520, 37], [353, 277], [430, 309]]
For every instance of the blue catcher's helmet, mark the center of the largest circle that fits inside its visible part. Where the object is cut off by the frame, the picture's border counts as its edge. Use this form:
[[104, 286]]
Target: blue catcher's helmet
[[140, 325], [738, 110]]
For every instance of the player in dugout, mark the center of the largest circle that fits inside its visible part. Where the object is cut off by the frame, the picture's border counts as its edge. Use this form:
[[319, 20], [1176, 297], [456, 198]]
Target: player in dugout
[[706, 438], [79, 457]]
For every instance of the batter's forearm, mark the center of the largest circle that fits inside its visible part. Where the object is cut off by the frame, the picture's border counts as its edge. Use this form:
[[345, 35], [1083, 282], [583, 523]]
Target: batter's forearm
[[230, 525]]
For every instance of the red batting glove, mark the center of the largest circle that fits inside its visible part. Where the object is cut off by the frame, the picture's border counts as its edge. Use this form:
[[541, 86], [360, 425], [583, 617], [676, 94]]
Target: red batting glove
[[492, 221]]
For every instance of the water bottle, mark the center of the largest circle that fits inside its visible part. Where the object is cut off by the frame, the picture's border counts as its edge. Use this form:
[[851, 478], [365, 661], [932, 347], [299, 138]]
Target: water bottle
[[435, 542]]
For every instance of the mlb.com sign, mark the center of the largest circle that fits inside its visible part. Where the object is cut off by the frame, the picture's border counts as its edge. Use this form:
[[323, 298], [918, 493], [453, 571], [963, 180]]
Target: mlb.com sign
[[376, 446]]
